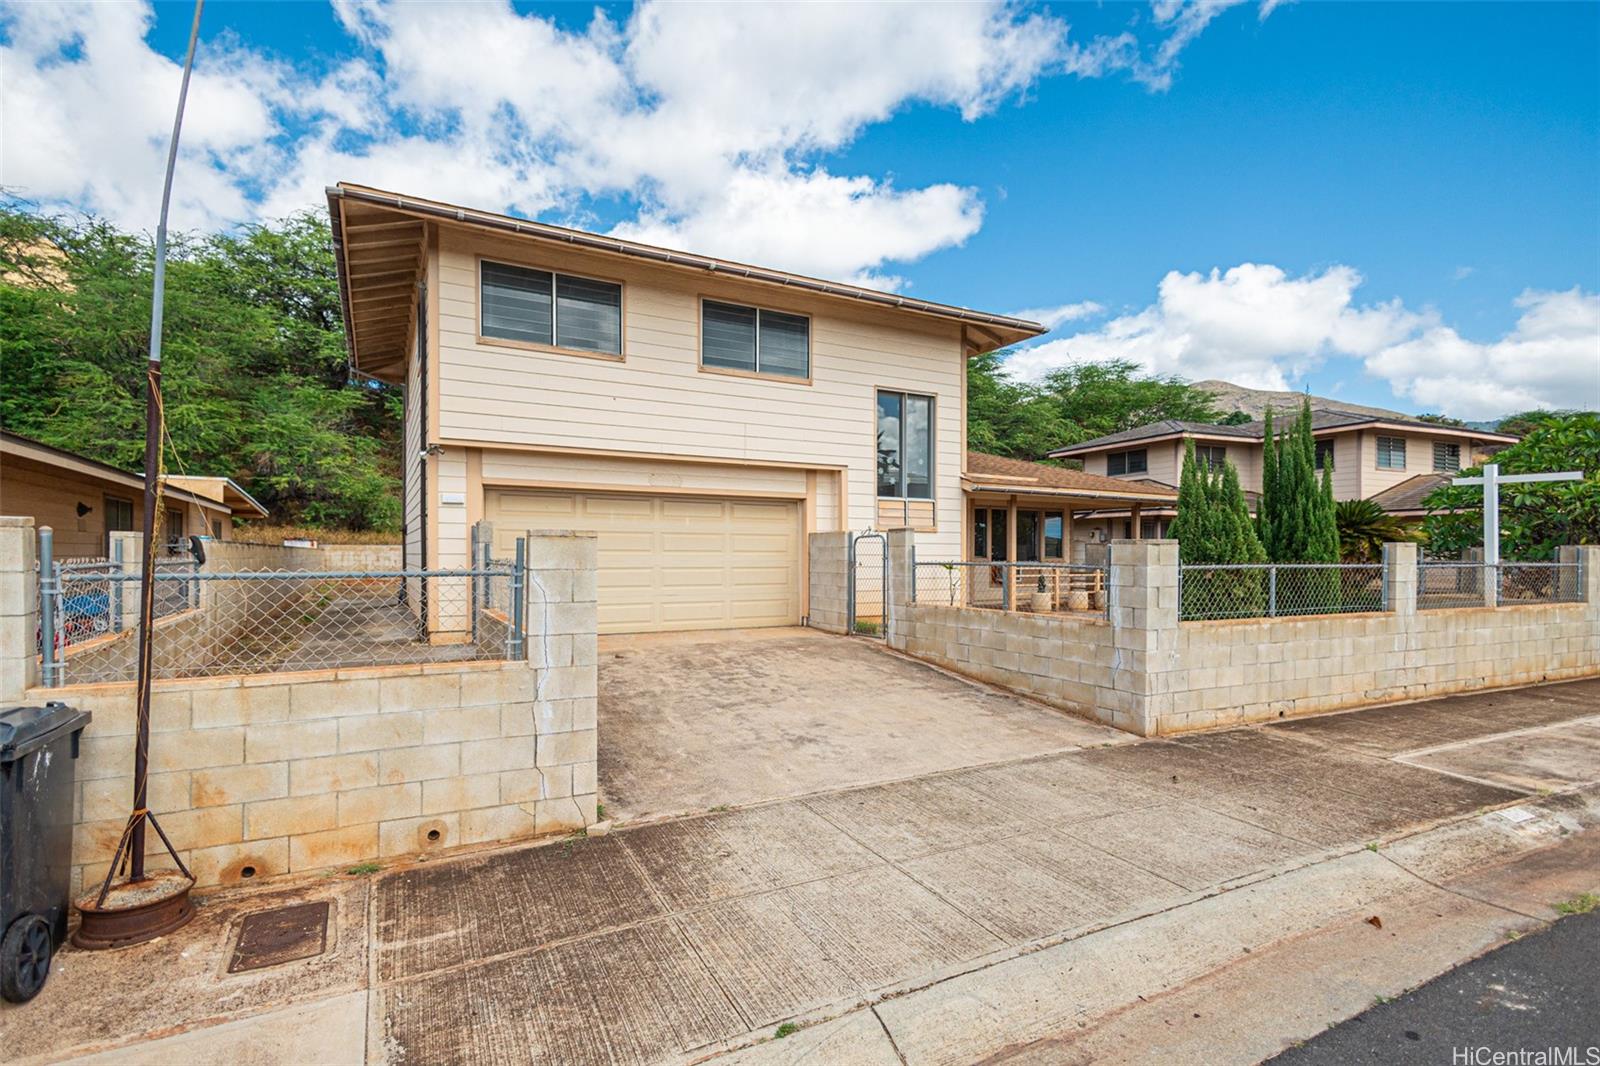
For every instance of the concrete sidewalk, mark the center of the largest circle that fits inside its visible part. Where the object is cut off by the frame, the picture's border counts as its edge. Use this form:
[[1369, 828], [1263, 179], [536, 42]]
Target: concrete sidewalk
[[1206, 898]]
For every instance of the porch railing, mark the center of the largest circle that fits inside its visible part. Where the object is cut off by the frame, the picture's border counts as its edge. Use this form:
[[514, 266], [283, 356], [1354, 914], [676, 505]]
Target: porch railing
[[1036, 587]]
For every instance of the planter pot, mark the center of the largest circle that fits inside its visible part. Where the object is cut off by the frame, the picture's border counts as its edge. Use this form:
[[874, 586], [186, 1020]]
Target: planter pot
[[1077, 601], [1039, 601]]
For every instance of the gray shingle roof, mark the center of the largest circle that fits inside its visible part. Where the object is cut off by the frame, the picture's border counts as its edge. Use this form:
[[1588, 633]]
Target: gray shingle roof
[[1250, 430]]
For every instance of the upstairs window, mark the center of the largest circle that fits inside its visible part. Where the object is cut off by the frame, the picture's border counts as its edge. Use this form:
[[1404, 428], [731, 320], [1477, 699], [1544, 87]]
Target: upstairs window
[[1215, 456], [1324, 453], [1446, 457], [553, 310], [1134, 462], [754, 340], [905, 445], [1391, 453]]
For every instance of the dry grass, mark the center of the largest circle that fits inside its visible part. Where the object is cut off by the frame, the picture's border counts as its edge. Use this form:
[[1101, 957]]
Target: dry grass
[[262, 533]]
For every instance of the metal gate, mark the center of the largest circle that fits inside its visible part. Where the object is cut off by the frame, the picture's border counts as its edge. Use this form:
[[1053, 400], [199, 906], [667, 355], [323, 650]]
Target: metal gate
[[869, 583]]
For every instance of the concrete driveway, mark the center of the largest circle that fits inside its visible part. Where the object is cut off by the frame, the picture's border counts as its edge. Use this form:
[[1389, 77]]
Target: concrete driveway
[[695, 721]]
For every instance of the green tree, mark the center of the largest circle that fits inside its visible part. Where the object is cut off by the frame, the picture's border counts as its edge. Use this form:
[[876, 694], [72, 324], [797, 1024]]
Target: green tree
[[1535, 518], [1213, 527], [1296, 517], [1026, 420], [256, 383]]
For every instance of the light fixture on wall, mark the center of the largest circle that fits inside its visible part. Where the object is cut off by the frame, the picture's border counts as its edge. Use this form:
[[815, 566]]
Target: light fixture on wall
[[83, 509]]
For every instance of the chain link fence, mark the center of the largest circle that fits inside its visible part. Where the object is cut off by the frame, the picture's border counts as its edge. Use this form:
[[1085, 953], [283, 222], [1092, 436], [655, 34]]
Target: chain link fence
[[1208, 592], [253, 622], [1039, 587], [1444, 584]]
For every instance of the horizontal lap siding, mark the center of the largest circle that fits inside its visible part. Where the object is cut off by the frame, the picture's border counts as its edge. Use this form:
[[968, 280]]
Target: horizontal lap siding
[[658, 402]]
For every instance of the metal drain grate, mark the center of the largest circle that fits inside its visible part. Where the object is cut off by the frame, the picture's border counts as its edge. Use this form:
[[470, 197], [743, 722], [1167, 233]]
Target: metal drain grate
[[284, 934]]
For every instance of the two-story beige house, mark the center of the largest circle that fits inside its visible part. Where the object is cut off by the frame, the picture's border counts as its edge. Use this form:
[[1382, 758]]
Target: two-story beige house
[[1394, 461], [703, 416]]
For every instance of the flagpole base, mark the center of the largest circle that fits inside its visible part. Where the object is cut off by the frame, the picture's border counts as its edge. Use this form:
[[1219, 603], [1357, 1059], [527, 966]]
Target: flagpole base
[[134, 912]]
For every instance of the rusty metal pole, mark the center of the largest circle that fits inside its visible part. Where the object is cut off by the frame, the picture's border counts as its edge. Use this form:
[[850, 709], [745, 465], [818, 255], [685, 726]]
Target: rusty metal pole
[[153, 423]]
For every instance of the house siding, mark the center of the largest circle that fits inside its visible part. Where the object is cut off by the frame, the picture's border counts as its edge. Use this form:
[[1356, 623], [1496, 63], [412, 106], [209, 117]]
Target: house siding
[[655, 408]]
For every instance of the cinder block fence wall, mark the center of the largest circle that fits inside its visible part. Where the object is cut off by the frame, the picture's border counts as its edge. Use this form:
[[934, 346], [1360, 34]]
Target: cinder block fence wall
[[259, 774], [1144, 670]]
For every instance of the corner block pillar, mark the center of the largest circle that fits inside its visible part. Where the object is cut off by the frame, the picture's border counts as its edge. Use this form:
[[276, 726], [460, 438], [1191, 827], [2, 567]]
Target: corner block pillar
[[1587, 579], [19, 607], [563, 657], [1400, 577], [1144, 630]]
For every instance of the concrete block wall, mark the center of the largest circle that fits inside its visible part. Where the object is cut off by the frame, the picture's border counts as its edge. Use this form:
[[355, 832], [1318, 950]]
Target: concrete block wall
[[829, 581], [261, 774], [1146, 672], [19, 607]]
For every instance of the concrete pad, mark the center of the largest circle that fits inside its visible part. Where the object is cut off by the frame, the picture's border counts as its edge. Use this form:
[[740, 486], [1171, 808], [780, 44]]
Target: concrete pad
[[692, 721], [1560, 757], [634, 995], [332, 1032], [699, 860], [440, 915], [97, 1000], [911, 818], [1398, 728], [855, 1040], [1042, 883], [1062, 988], [787, 952], [1190, 846], [1056, 790]]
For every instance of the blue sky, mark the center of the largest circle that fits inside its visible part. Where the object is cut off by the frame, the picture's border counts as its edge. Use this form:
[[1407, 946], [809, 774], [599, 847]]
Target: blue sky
[[1397, 204]]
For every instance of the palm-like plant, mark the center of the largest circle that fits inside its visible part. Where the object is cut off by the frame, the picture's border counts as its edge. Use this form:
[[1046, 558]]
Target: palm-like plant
[[1364, 528]]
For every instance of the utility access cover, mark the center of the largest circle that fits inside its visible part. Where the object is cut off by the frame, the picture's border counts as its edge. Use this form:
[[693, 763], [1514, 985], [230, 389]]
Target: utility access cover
[[283, 934]]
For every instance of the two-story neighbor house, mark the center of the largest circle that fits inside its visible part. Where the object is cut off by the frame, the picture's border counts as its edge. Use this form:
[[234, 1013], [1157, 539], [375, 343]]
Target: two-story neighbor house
[[701, 415], [1393, 461]]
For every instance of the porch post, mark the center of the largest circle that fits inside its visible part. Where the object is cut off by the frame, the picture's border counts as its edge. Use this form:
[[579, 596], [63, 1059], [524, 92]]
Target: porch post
[[1137, 532], [1011, 552]]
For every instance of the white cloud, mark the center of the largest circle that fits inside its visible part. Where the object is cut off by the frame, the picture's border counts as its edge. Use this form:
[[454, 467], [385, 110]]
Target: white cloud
[[713, 120], [1051, 317], [1550, 359], [1257, 326]]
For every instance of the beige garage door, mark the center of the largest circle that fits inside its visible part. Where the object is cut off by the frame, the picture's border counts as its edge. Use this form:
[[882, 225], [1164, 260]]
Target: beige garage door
[[673, 562]]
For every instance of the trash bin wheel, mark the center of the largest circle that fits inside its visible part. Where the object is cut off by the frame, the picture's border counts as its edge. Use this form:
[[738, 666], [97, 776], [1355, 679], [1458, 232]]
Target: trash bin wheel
[[24, 958]]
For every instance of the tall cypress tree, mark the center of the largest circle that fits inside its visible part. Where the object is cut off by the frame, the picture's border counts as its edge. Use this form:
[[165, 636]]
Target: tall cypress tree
[[1213, 526], [1265, 507]]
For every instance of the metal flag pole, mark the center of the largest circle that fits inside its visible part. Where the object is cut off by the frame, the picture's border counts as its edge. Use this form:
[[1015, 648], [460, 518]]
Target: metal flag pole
[[149, 913]]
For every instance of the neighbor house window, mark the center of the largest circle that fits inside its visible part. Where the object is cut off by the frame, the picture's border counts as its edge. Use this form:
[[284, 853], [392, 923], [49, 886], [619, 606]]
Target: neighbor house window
[[754, 340], [559, 310], [1215, 456], [905, 445], [119, 515], [1446, 457], [1324, 453], [980, 533], [1134, 462], [1391, 453]]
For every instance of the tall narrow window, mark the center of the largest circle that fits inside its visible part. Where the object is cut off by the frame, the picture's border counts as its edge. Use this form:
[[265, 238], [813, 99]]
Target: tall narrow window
[[1391, 453], [539, 307], [980, 533], [1027, 536], [905, 445], [1446, 457], [1054, 527], [999, 538], [1324, 452], [754, 340]]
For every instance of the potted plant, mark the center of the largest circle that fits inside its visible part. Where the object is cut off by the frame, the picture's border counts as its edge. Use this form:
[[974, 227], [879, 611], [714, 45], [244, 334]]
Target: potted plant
[[1040, 600]]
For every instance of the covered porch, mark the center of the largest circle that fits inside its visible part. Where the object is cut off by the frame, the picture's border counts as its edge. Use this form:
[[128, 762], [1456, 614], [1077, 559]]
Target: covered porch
[[1019, 550]]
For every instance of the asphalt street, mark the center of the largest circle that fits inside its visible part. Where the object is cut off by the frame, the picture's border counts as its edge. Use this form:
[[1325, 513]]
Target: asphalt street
[[1539, 994]]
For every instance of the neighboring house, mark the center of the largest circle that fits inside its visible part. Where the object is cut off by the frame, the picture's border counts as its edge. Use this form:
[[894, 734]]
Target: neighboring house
[[1372, 457], [83, 500], [702, 416]]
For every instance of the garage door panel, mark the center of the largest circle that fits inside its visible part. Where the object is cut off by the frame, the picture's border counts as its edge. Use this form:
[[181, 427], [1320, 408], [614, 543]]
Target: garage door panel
[[668, 562]]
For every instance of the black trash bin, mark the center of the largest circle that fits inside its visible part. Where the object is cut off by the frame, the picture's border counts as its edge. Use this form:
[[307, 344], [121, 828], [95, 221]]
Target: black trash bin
[[38, 749]]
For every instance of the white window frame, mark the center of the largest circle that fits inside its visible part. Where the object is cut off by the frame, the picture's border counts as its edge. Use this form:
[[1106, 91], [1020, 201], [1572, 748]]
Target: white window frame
[[1387, 448]]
